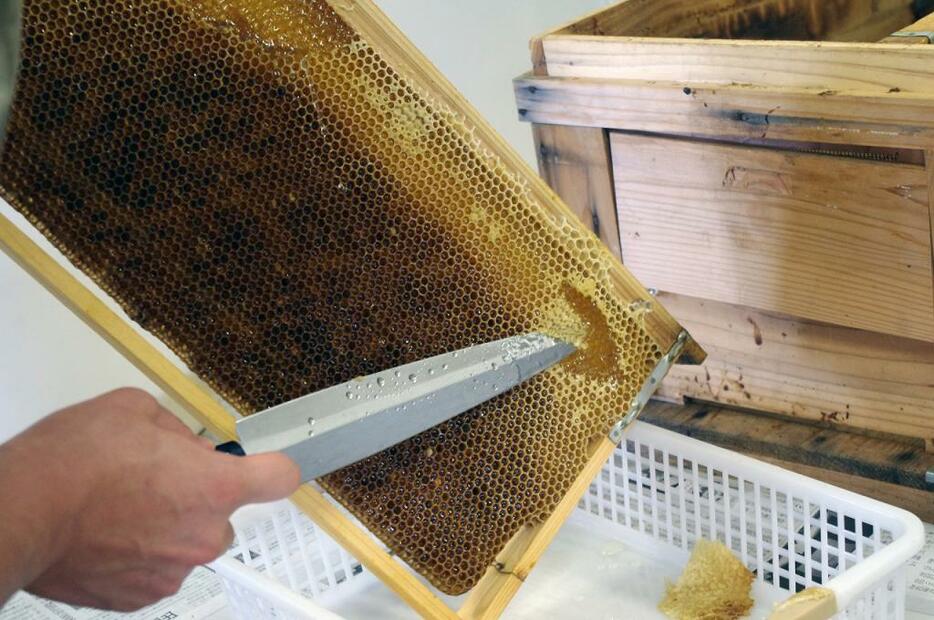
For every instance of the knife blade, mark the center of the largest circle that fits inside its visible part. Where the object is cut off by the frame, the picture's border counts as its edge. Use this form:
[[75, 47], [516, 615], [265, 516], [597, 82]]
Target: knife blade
[[340, 425]]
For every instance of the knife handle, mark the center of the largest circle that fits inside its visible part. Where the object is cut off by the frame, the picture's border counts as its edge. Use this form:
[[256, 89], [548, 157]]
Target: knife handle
[[231, 447]]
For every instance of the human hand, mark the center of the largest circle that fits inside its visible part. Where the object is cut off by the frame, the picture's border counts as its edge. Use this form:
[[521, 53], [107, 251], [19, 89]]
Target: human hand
[[111, 502]]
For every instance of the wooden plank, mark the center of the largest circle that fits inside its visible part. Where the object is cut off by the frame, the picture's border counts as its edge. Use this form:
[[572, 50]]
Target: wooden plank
[[206, 409], [792, 64], [813, 603], [919, 502], [831, 239], [889, 459], [892, 119], [539, 66], [866, 20], [575, 162], [380, 33], [490, 597], [885, 469], [806, 370]]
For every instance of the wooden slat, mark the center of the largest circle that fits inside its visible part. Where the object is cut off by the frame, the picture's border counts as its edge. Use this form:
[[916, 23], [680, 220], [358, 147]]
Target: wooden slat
[[793, 64], [919, 502], [813, 603], [889, 459], [886, 469], [805, 370], [539, 66], [831, 239], [575, 162], [866, 20], [892, 119]]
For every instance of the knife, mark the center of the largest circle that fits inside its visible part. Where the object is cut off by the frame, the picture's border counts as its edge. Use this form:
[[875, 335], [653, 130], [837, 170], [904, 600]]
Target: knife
[[340, 425]]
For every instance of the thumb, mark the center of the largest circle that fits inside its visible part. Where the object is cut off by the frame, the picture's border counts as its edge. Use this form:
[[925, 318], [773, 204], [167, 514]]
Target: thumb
[[268, 477]]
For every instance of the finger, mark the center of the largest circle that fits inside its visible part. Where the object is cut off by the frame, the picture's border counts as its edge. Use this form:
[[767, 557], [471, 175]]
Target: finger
[[206, 443], [267, 477]]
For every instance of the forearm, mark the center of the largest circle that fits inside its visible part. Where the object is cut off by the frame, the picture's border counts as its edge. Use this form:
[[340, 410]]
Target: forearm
[[31, 523]]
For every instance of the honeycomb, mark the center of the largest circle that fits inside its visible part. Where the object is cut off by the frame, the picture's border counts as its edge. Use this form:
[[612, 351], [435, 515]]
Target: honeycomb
[[260, 189]]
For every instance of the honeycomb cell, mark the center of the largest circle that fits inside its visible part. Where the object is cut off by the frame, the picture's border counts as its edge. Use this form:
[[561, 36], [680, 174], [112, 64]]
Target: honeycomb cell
[[258, 188]]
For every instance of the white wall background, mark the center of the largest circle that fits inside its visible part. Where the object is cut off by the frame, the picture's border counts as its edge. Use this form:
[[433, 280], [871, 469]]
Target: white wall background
[[49, 359], [482, 45]]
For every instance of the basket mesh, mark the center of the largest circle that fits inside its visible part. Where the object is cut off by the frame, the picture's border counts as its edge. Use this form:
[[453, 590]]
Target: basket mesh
[[260, 189]]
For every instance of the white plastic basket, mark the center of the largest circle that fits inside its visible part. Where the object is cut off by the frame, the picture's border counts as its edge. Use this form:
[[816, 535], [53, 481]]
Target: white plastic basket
[[658, 493]]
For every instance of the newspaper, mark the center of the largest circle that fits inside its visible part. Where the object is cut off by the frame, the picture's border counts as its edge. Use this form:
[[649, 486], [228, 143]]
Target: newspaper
[[920, 596], [200, 598]]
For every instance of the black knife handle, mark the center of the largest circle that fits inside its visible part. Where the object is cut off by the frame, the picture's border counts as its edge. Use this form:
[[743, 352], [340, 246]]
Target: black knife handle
[[231, 447]]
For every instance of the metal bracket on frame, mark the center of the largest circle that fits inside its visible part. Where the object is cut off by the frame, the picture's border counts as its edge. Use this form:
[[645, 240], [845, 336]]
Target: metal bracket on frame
[[648, 389], [927, 34]]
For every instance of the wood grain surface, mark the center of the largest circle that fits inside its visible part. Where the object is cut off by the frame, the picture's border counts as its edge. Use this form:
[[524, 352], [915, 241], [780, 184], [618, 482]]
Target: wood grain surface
[[852, 20], [832, 239], [804, 369], [575, 162], [887, 469], [794, 64], [690, 108]]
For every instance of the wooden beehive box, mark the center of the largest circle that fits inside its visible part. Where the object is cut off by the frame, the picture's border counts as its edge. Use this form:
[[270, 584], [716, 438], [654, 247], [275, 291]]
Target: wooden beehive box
[[766, 166]]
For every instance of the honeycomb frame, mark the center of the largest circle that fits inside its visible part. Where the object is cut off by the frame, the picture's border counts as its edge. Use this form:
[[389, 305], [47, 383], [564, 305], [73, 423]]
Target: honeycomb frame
[[362, 17]]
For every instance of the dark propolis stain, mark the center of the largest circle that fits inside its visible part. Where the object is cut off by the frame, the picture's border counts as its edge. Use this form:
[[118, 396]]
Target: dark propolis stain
[[756, 332], [700, 415]]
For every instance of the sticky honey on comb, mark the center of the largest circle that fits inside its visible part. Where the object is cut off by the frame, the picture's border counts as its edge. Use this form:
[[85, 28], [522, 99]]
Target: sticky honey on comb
[[258, 188]]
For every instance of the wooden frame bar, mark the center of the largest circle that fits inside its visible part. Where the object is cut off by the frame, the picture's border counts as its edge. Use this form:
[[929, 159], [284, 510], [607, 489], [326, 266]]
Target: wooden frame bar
[[870, 68], [694, 109]]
